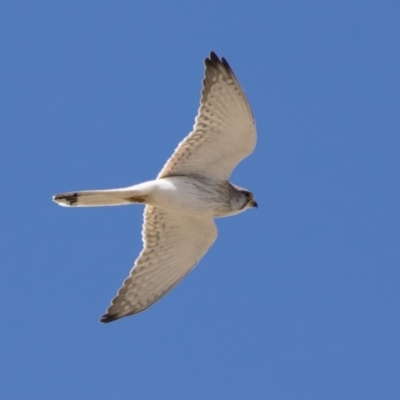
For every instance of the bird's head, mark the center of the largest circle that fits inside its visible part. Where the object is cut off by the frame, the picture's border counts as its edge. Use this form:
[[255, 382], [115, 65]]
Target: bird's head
[[250, 201]]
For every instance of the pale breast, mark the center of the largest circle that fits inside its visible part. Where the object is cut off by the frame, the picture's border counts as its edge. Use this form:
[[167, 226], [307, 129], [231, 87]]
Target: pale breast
[[191, 195]]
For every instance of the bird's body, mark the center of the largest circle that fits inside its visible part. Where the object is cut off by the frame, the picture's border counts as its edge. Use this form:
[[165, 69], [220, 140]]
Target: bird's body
[[191, 190], [218, 198]]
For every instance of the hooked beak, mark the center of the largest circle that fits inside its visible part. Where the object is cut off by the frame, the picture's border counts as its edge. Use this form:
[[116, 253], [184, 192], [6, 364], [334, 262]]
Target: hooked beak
[[253, 204]]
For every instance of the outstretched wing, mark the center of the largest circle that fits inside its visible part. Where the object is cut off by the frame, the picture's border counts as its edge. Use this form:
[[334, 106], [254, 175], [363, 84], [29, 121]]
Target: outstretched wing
[[224, 131], [173, 245]]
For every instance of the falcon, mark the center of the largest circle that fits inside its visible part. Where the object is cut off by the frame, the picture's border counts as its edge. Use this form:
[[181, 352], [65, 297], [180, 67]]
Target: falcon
[[191, 190]]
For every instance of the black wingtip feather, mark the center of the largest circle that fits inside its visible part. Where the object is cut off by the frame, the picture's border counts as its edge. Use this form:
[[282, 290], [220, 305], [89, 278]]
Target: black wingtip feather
[[213, 57], [106, 318], [214, 61]]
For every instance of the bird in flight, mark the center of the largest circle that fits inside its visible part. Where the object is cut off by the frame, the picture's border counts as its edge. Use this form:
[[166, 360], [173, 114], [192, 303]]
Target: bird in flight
[[191, 190]]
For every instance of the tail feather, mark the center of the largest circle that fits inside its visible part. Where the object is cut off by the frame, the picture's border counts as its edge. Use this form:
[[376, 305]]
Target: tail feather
[[95, 198]]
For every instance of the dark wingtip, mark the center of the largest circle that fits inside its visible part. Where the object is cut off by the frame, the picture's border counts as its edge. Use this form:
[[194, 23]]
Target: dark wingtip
[[214, 57], [226, 64], [106, 318], [214, 61]]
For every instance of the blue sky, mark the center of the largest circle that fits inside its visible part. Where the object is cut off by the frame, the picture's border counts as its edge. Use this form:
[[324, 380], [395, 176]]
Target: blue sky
[[296, 300]]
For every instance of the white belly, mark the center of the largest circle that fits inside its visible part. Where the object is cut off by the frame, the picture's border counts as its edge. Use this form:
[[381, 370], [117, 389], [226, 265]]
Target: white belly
[[186, 195]]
